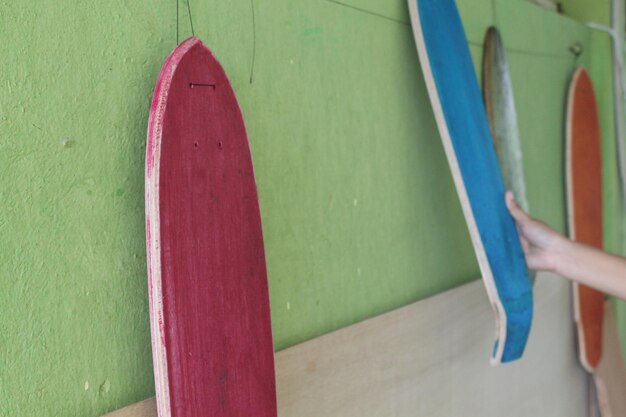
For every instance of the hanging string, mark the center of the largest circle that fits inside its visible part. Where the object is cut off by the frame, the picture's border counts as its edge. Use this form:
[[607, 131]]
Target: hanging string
[[193, 33], [190, 21], [253, 41]]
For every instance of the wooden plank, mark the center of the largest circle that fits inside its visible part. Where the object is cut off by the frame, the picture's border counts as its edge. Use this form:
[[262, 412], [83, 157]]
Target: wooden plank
[[428, 359], [145, 408], [584, 206], [209, 301], [456, 101], [610, 376]]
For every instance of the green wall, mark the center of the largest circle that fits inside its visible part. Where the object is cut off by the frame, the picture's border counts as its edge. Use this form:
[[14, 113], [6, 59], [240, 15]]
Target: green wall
[[588, 10], [360, 213]]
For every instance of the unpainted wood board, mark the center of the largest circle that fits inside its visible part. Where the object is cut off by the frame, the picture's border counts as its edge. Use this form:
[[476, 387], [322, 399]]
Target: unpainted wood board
[[464, 130], [428, 359], [209, 300], [145, 408], [584, 207]]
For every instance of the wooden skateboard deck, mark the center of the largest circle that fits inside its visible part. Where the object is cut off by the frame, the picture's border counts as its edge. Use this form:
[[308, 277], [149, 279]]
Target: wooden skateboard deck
[[584, 203], [464, 129], [209, 302], [502, 115]]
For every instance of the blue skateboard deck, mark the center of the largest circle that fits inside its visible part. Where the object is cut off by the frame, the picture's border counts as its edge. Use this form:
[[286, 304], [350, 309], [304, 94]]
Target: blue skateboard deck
[[457, 104]]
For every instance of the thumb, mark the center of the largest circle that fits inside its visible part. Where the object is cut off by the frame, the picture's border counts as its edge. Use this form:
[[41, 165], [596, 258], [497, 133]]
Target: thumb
[[516, 211]]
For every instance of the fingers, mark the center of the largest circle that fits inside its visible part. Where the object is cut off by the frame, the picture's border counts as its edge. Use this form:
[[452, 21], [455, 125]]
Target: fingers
[[533, 262], [516, 211], [525, 245]]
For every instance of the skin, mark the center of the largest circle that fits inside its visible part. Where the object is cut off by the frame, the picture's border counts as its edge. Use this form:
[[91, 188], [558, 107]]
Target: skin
[[547, 250]]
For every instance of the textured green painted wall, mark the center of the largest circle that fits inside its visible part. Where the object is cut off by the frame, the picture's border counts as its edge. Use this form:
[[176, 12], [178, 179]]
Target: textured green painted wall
[[360, 214]]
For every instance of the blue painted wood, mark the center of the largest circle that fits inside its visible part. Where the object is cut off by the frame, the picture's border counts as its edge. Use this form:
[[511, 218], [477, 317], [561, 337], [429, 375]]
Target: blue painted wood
[[463, 124]]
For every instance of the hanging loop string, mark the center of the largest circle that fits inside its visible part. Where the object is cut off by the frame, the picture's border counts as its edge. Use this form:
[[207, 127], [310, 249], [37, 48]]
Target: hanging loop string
[[193, 33], [190, 20]]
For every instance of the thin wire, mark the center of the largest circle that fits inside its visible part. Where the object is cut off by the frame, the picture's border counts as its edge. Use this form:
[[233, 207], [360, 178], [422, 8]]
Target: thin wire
[[190, 21], [253, 41], [177, 22], [358, 9]]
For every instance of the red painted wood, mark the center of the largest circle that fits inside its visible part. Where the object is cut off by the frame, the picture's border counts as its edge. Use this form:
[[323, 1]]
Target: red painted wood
[[585, 207], [210, 315]]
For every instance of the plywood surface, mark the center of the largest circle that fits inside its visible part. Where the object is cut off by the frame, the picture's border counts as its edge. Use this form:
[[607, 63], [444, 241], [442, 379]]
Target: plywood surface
[[584, 192], [146, 408], [209, 301], [418, 360]]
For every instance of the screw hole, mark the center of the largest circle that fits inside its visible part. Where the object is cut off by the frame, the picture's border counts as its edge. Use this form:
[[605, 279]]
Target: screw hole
[[220, 144], [195, 144], [190, 85]]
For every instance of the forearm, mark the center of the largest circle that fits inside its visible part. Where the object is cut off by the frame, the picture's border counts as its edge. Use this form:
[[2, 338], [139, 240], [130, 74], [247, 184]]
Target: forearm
[[592, 267]]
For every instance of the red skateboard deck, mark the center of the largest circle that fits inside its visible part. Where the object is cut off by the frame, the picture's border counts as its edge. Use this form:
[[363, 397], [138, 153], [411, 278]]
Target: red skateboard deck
[[584, 195], [209, 302]]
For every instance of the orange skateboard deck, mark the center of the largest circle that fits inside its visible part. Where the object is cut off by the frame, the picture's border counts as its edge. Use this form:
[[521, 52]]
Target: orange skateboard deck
[[584, 203]]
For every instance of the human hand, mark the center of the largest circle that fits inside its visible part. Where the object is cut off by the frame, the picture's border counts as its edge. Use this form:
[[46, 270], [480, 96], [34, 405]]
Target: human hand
[[539, 242]]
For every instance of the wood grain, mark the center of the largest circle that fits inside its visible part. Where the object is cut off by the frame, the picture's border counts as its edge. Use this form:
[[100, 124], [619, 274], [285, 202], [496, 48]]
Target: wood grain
[[584, 196], [428, 359], [209, 300], [145, 408]]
